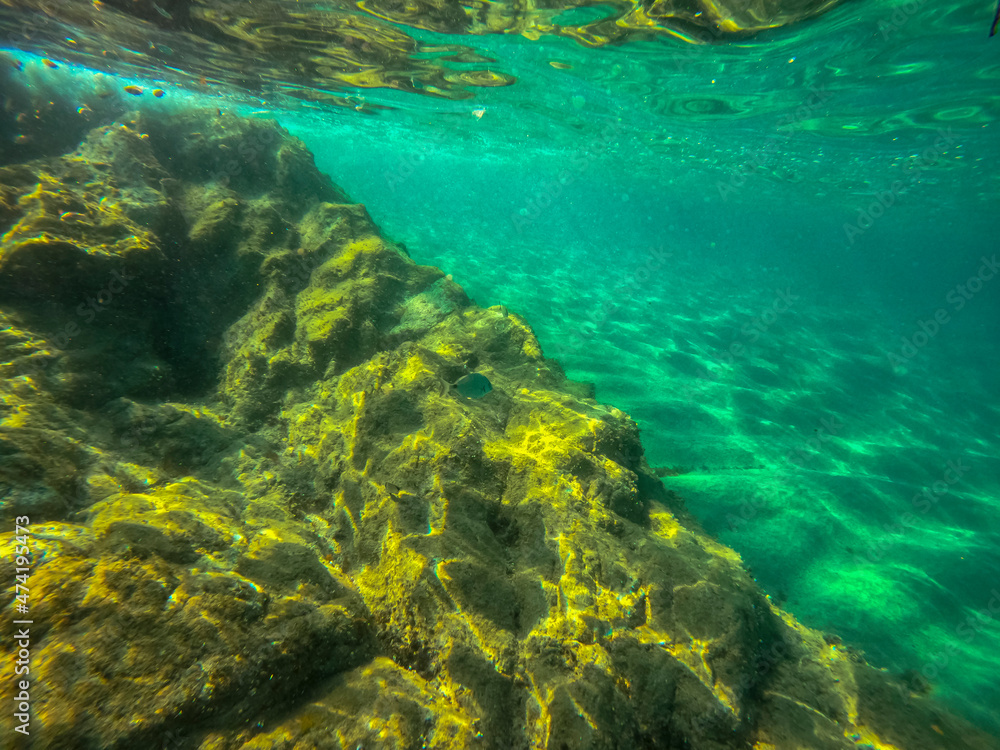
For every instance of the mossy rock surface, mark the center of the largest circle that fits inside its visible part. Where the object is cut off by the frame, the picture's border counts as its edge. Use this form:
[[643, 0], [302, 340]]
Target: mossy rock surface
[[262, 517]]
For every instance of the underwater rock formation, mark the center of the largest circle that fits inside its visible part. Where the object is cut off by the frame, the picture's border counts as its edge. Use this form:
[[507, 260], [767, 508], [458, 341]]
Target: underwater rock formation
[[261, 518]]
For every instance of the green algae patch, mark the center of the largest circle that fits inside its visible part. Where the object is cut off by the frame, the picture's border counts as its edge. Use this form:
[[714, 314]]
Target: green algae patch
[[263, 517]]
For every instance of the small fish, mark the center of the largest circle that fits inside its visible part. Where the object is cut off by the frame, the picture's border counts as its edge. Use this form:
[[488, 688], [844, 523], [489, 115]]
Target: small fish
[[478, 113], [560, 65], [133, 90], [72, 217], [473, 385], [48, 63], [996, 21], [158, 93]]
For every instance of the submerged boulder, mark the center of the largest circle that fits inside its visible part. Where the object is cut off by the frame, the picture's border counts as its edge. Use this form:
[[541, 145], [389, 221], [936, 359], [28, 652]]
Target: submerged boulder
[[260, 517]]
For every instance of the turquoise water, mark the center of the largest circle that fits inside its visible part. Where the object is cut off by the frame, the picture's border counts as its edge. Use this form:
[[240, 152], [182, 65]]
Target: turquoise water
[[778, 255], [754, 353]]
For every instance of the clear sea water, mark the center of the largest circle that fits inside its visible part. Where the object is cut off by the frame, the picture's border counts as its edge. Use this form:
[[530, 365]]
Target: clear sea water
[[778, 254]]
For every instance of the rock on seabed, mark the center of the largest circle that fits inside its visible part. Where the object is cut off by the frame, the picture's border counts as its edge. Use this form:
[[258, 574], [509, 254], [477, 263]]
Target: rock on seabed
[[261, 519]]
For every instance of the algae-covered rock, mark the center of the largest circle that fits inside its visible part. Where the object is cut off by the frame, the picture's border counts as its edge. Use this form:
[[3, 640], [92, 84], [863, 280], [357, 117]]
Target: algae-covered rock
[[261, 517]]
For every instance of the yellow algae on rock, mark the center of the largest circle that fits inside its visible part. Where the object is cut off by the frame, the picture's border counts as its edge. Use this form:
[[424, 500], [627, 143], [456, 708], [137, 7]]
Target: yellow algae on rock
[[264, 518]]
